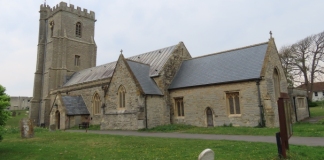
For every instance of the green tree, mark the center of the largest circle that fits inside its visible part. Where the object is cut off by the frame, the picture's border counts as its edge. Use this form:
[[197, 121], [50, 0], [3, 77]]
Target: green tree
[[4, 115]]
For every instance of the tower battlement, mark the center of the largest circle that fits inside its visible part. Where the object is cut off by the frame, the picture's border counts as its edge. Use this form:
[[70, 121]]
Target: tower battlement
[[64, 7]]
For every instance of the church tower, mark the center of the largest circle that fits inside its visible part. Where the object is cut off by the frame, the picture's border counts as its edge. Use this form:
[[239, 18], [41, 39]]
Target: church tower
[[65, 45]]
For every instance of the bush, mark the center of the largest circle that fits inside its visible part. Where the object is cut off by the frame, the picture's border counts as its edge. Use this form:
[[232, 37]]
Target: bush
[[312, 104], [4, 114]]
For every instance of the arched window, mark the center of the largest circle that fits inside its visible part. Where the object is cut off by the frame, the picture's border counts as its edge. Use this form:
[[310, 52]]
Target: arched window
[[276, 83], [121, 97], [96, 104], [78, 29]]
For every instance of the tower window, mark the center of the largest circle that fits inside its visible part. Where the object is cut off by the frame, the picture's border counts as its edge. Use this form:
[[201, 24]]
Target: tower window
[[77, 60], [52, 27], [78, 29]]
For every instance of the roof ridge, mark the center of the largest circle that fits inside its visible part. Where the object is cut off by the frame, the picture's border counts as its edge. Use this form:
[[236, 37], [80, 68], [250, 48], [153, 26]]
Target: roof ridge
[[249, 46], [137, 62]]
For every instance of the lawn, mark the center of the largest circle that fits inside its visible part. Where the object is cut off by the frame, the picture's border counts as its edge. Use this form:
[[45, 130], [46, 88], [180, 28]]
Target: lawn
[[317, 111], [67, 145]]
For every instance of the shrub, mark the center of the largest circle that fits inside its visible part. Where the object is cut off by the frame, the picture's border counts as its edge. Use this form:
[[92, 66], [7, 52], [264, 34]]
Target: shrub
[[312, 104]]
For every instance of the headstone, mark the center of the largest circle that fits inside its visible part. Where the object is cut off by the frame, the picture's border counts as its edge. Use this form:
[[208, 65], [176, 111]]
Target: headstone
[[52, 127], [26, 128], [206, 154], [14, 113]]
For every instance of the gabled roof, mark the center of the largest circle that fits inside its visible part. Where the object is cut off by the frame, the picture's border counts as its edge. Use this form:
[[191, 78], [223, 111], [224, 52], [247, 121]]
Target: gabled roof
[[156, 59], [74, 105], [141, 73], [317, 86], [224, 67]]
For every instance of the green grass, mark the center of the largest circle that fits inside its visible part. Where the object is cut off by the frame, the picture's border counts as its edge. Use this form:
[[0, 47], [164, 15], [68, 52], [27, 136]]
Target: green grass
[[14, 121], [316, 111], [68, 145], [299, 129]]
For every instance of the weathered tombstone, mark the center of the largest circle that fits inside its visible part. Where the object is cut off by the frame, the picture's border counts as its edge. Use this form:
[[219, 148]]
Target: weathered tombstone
[[26, 128], [206, 154], [52, 127], [14, 113]]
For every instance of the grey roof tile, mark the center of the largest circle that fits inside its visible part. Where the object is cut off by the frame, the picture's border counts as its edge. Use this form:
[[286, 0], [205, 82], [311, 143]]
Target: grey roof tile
[[229, 66], [75, 105], [156, 59], [141, 72]]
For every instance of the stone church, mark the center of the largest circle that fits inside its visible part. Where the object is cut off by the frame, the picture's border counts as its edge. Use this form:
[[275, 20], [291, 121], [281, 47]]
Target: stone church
[[164, 86]]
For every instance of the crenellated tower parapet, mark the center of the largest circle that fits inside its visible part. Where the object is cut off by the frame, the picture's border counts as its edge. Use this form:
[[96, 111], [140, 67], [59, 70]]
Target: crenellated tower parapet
[[64, 7]]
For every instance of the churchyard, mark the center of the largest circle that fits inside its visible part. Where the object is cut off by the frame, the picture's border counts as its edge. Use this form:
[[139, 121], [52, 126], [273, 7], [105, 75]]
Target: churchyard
[[67, 145]]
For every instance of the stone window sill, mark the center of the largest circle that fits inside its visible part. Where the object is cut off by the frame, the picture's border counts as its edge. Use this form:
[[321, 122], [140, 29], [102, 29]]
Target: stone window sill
[[234, 115]]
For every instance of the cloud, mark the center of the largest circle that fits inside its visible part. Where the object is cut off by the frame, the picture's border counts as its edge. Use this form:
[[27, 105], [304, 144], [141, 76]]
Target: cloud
[[139, 26]]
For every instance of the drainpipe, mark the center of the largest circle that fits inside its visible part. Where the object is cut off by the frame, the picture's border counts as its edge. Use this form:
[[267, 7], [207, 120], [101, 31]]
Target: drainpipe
[[294, 100], [260, 105], [145, 108]]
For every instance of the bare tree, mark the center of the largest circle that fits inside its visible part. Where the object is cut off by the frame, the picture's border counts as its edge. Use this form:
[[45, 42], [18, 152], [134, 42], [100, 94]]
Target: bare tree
[[304, 60]]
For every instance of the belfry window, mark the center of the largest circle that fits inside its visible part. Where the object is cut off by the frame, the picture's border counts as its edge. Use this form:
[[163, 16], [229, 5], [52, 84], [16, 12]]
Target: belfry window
[[78, 30], [77, 60], [121, 97], [52, 27]]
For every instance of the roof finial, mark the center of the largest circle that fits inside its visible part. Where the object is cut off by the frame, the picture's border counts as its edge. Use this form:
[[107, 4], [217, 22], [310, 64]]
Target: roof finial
[[44, 2], [270, 34], [121, 51]]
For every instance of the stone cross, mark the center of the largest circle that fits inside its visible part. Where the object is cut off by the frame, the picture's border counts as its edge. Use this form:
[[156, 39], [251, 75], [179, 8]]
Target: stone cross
[[121, 51], [206, 154]]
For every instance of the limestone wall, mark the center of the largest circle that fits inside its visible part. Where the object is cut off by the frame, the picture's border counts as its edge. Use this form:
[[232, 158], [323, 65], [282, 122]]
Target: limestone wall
[[126, 118], [157, 112], [87, 95], [269, 102], [197, 99]]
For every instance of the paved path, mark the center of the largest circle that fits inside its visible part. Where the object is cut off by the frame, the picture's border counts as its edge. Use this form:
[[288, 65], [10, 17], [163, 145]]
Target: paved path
[[308, 141]]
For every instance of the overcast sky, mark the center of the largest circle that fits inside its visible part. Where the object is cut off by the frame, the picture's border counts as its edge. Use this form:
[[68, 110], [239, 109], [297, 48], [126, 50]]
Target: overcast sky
[[139, 26]]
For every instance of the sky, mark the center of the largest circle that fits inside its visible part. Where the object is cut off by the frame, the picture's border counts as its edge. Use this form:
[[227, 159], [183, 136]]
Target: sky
[[139, 26]]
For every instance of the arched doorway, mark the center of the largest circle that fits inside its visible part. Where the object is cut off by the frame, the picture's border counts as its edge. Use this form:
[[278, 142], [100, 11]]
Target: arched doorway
[[57, 119], [209, 115]]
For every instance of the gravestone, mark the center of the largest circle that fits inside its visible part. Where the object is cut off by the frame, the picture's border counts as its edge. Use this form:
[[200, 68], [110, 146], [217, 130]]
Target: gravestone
[[206, 154], [14, 113], [26, 128], [52, 127]]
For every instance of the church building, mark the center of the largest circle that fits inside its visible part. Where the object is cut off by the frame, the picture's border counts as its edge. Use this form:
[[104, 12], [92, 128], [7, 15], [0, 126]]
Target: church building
[[238, 87]]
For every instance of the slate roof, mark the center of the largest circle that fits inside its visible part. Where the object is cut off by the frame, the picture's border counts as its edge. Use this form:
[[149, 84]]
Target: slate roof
[[75, 105], [156, 59], [141, 72], [229, 66]]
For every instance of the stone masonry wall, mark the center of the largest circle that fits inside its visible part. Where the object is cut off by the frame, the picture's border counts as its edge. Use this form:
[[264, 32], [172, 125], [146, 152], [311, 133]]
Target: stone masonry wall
[[156, 111], [166, 76], [197, 99], [123, 118], [269, 103], [87, 95]]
